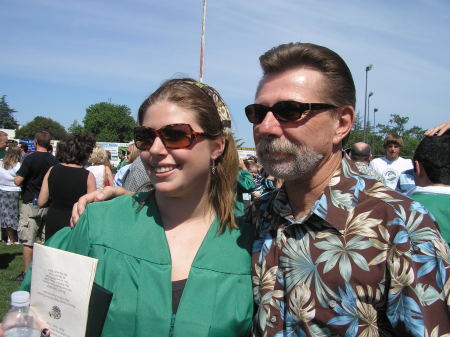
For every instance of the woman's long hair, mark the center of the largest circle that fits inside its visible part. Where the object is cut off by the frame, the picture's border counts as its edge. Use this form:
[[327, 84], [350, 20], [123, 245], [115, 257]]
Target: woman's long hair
[[12, 157]]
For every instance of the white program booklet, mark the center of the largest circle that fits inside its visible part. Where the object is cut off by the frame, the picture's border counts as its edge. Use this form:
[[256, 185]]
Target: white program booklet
[[61, 284]]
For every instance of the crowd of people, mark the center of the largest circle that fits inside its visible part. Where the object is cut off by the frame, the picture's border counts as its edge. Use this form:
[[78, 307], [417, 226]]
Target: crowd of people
[[302, 240], [39, 189]]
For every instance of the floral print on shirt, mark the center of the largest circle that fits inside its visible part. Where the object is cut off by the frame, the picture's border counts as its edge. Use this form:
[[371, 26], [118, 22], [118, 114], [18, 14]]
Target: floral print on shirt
[[366, 261]]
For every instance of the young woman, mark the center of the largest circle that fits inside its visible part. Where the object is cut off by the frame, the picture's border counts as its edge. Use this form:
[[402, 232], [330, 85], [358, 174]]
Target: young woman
[[66, 182], [175, 259], [100, 167], [9, 192]]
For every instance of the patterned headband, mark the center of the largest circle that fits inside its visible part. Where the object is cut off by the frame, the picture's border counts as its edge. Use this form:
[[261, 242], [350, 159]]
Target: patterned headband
[[222, 109]]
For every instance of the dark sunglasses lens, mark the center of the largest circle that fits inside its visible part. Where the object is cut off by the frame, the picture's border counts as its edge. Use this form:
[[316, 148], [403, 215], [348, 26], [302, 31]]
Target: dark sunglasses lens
[[144, 138], [256, 113], [288, 111], [176, 136]]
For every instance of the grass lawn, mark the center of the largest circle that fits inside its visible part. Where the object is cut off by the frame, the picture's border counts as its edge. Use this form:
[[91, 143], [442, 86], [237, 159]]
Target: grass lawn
[[11, 264]]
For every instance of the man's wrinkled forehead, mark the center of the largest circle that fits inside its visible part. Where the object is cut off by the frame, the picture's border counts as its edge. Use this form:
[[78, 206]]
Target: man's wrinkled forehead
[[302, 78]]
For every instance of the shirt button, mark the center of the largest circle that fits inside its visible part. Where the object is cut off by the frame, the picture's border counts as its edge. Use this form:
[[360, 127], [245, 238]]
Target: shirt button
[[332, 303], [273, 319]]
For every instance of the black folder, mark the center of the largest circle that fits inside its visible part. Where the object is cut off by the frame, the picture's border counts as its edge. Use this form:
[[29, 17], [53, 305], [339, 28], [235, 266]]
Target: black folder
[[98, 309]]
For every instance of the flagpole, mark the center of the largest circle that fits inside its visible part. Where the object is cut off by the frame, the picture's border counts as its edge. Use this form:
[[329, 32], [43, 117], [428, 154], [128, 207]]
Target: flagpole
[[202, 44]]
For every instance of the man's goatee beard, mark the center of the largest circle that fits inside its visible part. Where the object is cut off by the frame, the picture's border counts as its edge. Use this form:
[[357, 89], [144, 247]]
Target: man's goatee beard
[[301, 160]]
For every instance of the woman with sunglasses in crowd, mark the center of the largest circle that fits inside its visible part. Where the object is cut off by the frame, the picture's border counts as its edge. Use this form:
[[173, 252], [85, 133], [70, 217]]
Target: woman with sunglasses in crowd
[[174, 258]]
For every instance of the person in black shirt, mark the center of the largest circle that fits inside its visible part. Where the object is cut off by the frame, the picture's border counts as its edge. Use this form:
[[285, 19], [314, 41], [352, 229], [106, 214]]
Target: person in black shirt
[[67, 181], [29, 177]]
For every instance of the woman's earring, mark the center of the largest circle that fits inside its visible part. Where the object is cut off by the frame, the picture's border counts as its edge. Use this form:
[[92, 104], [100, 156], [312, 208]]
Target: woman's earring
[[213, 167]]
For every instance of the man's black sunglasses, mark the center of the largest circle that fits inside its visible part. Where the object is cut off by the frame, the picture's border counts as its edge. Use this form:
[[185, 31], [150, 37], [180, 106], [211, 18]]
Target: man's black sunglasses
[[284, 111]]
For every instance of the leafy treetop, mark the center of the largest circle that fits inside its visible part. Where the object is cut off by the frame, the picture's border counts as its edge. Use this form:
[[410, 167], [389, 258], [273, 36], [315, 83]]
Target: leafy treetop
[[40, 123], [7, 120], [109, 122]]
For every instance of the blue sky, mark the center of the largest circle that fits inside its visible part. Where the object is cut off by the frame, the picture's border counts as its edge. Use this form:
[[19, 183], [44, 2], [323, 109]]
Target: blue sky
[[59, 57]]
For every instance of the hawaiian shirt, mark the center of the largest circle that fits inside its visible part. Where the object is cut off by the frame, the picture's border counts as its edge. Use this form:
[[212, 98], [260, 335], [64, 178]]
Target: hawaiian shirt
[[367, 170], [365, 261]]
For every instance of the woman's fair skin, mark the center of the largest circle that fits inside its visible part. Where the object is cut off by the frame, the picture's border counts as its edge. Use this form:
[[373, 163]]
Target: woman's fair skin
[[181, 178], [108, 175]]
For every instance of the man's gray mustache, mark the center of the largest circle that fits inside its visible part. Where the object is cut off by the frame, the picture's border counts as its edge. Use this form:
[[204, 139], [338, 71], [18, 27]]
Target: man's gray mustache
[[267, 145]]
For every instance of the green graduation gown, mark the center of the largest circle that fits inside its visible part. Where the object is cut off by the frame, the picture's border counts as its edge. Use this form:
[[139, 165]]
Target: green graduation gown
[[135, 264]]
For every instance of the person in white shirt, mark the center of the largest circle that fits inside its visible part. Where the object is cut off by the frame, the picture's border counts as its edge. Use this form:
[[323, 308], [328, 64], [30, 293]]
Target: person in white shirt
[[391, 165], [99, 167], [10, 193]]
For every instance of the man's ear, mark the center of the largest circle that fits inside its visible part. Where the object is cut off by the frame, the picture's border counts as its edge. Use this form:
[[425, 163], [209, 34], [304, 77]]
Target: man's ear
[[420, 175], [344, 121], [417, 168]]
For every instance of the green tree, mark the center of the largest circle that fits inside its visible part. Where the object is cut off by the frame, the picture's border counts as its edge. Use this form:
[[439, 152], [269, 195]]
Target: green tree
[[397, 125], [415, 132], [40, 123], [7, 120], [75, 127], [109, 122]]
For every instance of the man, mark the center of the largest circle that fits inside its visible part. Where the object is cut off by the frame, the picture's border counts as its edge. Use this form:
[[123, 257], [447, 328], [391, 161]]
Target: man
[[335, 253], [391, 165], [123, 159], [29, 177], [254, 169], [134, 177], [137, 179], [361, 155], [245, 186], [3, 144], [432, 175]]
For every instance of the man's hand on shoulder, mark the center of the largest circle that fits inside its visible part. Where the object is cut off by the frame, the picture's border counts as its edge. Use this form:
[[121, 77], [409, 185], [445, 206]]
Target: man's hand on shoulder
[[107, 193], [438, 130]]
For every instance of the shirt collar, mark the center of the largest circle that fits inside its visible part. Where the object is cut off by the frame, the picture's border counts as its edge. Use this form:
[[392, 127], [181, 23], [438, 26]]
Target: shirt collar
[[337, 200], [430, 190]]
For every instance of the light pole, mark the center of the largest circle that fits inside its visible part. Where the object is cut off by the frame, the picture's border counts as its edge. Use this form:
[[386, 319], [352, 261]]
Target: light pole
[[374, 111], [368, 68], [368, 105], [368, 115], [373, 138], [202, 41]]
